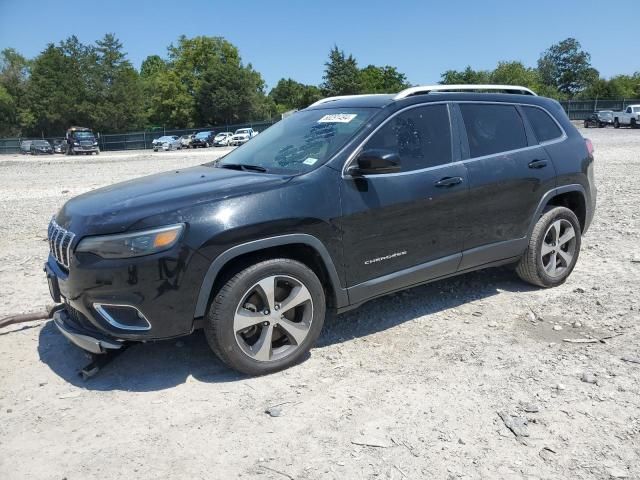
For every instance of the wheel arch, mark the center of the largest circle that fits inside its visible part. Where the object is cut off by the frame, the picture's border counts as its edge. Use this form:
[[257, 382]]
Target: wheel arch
[[301, 247], [572, 197]]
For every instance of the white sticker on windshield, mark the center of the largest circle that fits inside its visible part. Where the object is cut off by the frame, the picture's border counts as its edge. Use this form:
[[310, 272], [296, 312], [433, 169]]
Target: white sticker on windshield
[[310, 161], [338, 118]]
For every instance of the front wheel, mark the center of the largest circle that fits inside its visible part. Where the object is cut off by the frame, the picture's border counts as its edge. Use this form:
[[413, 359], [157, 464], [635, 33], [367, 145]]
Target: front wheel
[[616, 123], [553, 249], [634, 125], [266, 317]]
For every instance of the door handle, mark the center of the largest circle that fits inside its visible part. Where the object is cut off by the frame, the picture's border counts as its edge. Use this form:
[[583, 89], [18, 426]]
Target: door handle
[[447, 182], [538, 164]]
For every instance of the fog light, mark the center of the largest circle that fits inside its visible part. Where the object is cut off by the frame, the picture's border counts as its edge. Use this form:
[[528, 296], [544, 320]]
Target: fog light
[[124, 317]]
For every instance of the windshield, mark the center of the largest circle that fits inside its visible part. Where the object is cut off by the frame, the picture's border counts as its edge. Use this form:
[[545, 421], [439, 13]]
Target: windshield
[[41, 143], [165, 139], [241, 131], [203, 134], [301, 142], [84, 135]]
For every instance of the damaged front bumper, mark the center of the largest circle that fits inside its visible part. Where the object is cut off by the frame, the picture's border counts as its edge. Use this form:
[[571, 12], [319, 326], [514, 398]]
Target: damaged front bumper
[[90, 341]]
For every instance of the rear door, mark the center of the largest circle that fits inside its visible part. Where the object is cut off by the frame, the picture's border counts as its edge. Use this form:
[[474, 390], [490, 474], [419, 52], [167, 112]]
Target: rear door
[[509, 172], [398, 221]]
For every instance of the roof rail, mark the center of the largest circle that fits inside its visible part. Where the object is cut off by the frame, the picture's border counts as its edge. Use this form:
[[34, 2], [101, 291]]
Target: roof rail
[[425, 89], [342, 97]]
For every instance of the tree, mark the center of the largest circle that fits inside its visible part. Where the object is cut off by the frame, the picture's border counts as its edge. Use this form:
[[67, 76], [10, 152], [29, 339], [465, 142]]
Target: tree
[[341, 76], [515, 73], [465, 77], [291, 95], [14, 71], [382, 80], [52, 94], [169, 102], [118, 90], [230, 93], [566, 67], [152, 65]]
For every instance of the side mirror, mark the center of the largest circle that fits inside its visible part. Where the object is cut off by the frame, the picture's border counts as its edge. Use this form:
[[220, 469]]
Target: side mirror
[[375, 161]]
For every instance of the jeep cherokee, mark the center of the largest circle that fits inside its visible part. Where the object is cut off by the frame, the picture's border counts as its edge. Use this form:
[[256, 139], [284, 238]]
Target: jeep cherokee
[[348, 200]]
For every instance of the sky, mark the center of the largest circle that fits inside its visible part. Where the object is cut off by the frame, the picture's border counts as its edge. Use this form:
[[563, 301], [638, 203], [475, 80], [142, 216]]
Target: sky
[[287, 38]]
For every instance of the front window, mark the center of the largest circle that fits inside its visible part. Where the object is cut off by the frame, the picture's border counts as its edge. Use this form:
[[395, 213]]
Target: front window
[[301, 142], [84, 135]]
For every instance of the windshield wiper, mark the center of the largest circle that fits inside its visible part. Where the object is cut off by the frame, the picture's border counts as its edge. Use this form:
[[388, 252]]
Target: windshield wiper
[[243, 166]]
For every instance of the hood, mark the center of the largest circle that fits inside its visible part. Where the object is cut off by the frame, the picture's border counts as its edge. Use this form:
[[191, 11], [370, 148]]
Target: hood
[[118, 207]]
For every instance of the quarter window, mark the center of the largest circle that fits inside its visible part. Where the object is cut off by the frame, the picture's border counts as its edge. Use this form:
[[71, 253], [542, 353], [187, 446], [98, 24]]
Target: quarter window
[[543, 125], [493, 129], [421, 136]]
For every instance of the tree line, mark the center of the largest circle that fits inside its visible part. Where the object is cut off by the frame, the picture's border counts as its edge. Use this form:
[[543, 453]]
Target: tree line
[[204, 81]]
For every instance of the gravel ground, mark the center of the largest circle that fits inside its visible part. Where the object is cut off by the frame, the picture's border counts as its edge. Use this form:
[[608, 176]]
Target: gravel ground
[[464, 378]]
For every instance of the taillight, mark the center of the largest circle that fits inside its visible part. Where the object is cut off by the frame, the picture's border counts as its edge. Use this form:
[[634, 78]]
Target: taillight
[[589, 146]]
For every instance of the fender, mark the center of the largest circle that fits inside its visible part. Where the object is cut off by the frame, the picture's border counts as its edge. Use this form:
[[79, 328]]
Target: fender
[[342, 299], [544, 201]]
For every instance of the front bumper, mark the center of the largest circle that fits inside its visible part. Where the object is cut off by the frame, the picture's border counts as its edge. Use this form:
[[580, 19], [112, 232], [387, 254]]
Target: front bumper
[[162, 288], [86, 340]]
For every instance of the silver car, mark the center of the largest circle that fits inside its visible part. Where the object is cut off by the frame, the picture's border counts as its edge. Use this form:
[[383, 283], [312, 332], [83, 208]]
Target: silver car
[[168, 142]]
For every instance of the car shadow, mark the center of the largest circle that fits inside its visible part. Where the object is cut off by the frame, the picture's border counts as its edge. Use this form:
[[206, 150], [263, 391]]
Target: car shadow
[[160, 365]]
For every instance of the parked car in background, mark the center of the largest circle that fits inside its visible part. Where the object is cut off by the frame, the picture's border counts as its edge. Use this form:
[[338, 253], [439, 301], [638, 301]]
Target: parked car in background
[[599, 119], [185, 140], [222, 139], [202, 139], [59, 146], [629, 118], [41, 147], [168, 142], [25, 147], [242, 136]]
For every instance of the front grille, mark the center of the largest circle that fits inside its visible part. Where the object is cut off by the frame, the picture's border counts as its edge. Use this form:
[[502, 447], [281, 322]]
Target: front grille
[[60, 243]]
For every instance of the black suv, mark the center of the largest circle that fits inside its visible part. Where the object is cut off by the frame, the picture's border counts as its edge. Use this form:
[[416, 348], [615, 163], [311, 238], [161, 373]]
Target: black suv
[[345, 201]]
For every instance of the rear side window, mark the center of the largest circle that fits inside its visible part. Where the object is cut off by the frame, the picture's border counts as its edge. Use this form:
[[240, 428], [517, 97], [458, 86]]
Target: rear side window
[[543, 125], [421, 136], [493, 129]]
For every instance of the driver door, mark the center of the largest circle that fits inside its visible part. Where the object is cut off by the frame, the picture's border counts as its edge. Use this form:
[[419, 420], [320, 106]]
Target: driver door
[[404, 228]]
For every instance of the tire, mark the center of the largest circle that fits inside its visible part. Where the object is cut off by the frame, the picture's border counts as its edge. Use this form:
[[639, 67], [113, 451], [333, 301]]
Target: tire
[[240, 301], [634, 125], [541, 269], [616, 123], [586, 124]]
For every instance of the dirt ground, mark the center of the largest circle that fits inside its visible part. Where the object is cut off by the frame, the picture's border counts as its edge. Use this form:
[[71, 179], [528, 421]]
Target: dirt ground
[[464, 378]]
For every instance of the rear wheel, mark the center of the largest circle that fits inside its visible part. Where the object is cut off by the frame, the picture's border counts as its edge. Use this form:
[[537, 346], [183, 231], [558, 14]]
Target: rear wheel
[[266, 317], [553, 249], [633, 123], [616, 123]]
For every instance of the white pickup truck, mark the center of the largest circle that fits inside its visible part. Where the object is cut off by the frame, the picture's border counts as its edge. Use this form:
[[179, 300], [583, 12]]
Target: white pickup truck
[[630, 117], [242, 135]]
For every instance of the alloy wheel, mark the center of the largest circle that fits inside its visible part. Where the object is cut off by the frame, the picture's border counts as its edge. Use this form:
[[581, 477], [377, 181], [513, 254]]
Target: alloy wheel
[[273, 318], [558, 248]]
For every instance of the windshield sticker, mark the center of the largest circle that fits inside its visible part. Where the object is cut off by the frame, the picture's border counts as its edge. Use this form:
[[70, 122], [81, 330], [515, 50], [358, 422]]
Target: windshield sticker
[[310, 161], [338, 118]]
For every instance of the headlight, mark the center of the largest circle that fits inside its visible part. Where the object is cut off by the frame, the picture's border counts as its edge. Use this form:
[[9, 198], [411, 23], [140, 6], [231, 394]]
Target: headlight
[[134, 244], [95, 144], [76, 144]]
